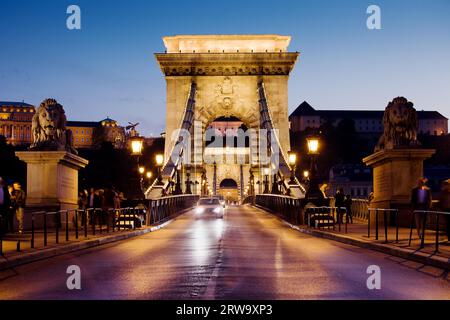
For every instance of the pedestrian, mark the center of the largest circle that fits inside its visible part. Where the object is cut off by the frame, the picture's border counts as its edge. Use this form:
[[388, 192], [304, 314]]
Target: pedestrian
[[94, 203], [18, 199], [444, 203], [421, 200], [348, 207], [5, 204], [116, 199], [339, 203], [83, 199], [108, 203]]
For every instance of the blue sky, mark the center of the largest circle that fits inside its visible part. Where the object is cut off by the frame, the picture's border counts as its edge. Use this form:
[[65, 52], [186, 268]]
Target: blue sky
[[108, 68]]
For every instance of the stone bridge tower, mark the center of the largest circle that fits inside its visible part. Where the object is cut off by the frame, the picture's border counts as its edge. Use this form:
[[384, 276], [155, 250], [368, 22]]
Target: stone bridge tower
[[227, 70]]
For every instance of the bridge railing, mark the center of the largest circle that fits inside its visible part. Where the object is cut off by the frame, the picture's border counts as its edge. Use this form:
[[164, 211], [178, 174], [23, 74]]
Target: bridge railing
[[48, 228], [326, 217], [55, 227], [288, 207], [162, 209], [359, 208], [425, 216]]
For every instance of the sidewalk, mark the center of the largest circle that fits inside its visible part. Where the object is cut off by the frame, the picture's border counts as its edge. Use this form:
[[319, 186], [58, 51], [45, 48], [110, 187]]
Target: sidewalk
[[357, 235], [11, 258]]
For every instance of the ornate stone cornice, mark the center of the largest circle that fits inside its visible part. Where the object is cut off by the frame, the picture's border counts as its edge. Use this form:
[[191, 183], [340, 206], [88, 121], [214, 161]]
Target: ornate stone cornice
[[227, 64]]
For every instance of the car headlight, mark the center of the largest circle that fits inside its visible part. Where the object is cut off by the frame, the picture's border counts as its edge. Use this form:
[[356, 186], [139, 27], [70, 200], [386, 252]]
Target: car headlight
[[217, 209], [199, 210]]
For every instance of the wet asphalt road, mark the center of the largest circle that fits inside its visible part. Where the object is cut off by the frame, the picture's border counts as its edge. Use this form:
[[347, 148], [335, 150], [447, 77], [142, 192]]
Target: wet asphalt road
[[248, 255]]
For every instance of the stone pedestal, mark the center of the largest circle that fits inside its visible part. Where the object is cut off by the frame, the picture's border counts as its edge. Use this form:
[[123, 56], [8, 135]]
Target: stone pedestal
[[395, 174], [52, 179]]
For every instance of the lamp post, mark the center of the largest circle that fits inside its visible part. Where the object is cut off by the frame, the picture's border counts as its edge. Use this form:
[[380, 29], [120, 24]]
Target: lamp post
[[293, 164], [178, 189], [149, 176], [159, 163], [188, 183], [266, 180], [313, 192], [275, 186], [136, 143]]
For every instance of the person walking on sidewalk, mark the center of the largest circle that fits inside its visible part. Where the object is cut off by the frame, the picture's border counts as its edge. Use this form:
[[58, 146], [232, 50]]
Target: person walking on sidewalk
[[5, 204], [339, 203], [18, 198], [421, 199], [348, 207], [444, 203]]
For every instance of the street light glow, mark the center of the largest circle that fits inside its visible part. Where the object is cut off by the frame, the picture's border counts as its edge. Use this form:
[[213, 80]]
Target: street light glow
[[141, 170], [313, 145], [292, 158], [159, 160], [136, 145], [149, 175]]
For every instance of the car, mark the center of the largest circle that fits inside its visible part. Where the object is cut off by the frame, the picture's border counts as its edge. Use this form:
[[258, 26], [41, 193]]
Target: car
[[222, 201], [207, 207]]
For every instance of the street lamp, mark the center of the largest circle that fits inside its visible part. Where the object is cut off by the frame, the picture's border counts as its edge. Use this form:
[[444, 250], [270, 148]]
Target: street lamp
[[306, 174], [141, 181], [159, 163], [149, 175], [313, 192], [313, 145], [293, 164], [266, 180], [137, 144]]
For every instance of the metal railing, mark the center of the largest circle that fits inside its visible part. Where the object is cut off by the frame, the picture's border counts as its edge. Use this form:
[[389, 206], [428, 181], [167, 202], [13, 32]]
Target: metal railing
[[385, 213], [425, 214], [288, 207], [67, 225], [162, 209], [321, 217], [359, 208]]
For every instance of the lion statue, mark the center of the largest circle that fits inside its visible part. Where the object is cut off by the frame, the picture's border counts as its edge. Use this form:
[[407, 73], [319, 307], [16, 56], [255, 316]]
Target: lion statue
[[400, 126], [49, 128]]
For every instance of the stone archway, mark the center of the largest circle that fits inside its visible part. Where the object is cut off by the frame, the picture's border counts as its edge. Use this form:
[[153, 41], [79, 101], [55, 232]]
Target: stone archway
[[229, 190]]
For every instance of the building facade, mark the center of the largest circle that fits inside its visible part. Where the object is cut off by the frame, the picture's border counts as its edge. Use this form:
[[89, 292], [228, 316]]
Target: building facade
[[366, 122], [15, 122], [354, 179]]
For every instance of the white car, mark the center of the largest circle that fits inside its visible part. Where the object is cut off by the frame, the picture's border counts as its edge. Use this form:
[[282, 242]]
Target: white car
[[222, 201], [209, 207]]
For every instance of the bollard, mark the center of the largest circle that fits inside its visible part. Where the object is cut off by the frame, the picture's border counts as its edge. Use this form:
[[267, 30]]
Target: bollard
[[45, 229], [57, 226], [67, 225], [376, 224], [32, 231], [76, 224], [385, 227], [437, 233]]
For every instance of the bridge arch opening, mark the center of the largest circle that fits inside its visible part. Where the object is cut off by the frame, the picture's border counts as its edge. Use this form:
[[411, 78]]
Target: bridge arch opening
[[229, 190]]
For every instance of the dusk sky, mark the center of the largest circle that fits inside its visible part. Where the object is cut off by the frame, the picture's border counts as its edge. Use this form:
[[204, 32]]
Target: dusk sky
[[108, 69]]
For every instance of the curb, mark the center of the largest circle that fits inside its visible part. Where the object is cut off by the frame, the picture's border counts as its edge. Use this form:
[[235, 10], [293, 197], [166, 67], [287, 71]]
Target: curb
[[69, 248], [409, 254]]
